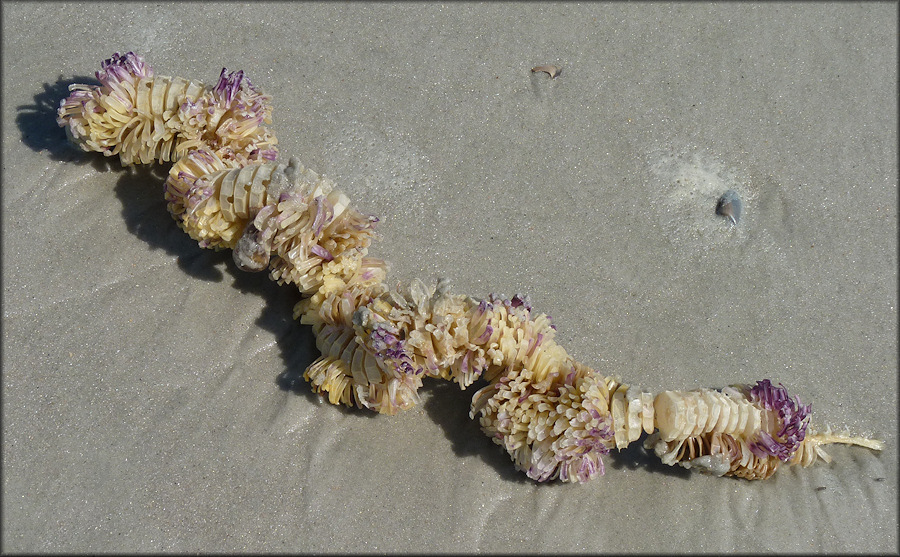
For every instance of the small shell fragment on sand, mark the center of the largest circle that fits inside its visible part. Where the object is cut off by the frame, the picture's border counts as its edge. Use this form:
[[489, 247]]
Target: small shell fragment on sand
[[552, 71], [729, 206]]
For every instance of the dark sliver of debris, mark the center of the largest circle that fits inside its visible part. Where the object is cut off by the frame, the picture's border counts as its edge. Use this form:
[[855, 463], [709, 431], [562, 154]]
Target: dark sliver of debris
[[729, 206]]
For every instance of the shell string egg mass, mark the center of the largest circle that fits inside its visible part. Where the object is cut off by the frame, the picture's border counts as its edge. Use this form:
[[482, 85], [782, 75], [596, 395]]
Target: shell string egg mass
[[556, 417]]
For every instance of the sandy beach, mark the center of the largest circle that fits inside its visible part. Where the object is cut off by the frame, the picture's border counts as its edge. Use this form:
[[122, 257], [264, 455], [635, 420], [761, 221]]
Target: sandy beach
[[153, 398]]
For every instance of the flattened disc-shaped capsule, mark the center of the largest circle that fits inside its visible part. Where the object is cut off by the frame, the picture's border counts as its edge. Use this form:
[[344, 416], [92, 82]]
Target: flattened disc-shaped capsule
[[647, 413], [346, 338], [670, 409], [144, 90], [357, 366], [733, 418], [633, 417], [370, 366], [723, 403], [259, 189], [160, 86], [715, 409], [243, 184], [702, 415], [324, 340], [690, 415], [347, 356], [618, 413], [226, 194], [339, 201], [176, 90], [754, 420]]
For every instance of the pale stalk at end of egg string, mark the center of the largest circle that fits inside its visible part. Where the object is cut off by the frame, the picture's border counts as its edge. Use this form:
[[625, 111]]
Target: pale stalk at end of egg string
[[554, 416], [740, 431]]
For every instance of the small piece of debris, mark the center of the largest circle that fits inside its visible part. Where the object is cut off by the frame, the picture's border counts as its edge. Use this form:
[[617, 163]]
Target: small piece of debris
[[821, 488], [729, 206], [552, 71]]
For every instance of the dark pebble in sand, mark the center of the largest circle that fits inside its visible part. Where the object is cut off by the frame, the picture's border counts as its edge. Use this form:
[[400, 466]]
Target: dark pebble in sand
[[729, 206]]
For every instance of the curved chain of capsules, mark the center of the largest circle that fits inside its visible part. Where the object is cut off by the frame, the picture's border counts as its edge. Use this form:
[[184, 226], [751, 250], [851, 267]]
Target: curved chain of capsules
[[555, 417], [142, 117]]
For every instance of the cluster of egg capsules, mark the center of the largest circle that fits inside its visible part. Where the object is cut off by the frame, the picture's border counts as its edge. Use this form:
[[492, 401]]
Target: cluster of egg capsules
[[555, 417]]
